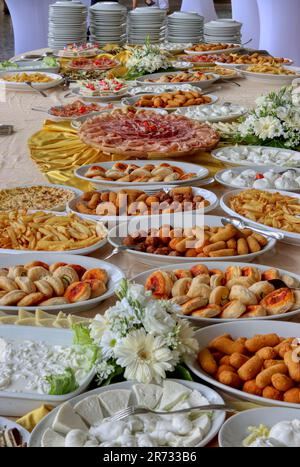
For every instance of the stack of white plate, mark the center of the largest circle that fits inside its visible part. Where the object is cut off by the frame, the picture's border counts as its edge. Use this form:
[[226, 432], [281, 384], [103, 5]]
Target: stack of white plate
[[146, 23], [223, 30], [185, 27], [67, 23], [108, 23]]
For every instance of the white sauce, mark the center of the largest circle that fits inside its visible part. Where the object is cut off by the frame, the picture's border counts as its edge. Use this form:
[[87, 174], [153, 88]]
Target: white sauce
[[24, 364], [284, 434]]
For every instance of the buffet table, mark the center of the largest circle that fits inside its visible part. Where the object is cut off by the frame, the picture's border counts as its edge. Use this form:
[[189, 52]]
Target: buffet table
[[17, 168]]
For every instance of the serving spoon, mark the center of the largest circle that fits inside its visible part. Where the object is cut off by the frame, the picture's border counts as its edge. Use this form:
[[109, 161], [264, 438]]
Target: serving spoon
[[243, 225]]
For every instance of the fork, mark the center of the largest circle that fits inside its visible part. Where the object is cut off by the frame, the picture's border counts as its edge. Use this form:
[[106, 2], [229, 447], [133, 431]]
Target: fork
[[243, 225], [129, 411], [35, 89]]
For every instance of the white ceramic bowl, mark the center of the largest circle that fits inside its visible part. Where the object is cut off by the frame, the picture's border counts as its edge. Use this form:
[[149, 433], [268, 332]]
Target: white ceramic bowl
[[80, 251], [5, 423], [289, 237], [210, 394], [19, 403], [222, 265], [201, 84], [14, 86], [240, 329], [115, 239], [201, 172], [269, 77], [259, 169], [207, 195], [132, 101], [115, 275], [236, 48], [235, 429], [287, 158]]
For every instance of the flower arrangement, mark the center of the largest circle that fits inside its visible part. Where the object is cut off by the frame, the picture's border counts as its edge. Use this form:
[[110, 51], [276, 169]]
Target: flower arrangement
[[274, 122], [140, 338], [148, 59]]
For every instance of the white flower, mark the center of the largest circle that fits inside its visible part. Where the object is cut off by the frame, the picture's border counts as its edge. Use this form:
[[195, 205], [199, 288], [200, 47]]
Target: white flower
[[144, 357], [156, 320], [108, 343], [267, 128], [187, 342], [103, 370], [98, 327]]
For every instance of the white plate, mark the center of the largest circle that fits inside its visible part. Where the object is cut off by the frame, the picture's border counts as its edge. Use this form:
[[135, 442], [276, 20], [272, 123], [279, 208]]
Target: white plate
[[13, 86], [16, 404], [285, 158], [104, 98], [222, 265], [189, 221], [238, 170], [268, 77], [27, 65], [236, 48], [132, 100], [64, 187], [115, 274], [79, 251], [289, 237], [207, 195], [9, 424], [201, 172], [201, 84], [240, 329], [234, 112], [210, 394], [235, 429]]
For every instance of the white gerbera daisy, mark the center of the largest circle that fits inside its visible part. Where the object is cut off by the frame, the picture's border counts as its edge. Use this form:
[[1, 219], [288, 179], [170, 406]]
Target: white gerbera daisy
[[97, 328], [268, 128], [187, 342], [145, 358], [108, 343]]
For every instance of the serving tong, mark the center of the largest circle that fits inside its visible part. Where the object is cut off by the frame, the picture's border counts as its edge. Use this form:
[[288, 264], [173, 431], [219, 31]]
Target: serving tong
[[129, 411], [244, 225]]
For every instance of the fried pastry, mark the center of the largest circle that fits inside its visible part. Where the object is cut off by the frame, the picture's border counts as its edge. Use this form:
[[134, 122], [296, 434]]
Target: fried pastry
[[244, 295], [160, 284], [32, 299], [12, 297], [210, 311], [78, 292], [233, 309], [278, 302]]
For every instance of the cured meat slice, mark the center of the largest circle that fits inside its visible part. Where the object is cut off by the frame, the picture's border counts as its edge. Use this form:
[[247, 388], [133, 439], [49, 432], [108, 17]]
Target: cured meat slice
[[143, 133]]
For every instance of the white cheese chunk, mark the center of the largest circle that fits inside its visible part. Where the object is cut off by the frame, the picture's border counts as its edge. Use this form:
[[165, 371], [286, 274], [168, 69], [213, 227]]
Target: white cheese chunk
[[66, 419], [115, 400], [51, 439], [90, 411]]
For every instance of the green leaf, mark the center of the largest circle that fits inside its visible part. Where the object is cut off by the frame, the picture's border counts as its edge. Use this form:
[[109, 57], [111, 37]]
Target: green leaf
[[50, 61], [63, 383], [89, 349], [81, 335]]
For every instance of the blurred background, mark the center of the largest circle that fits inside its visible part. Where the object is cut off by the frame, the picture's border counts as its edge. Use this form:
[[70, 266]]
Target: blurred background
[[223, 8]]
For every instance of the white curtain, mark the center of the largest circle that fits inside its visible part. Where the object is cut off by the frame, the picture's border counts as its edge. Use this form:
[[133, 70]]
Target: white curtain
[[205, 8], [246, 11], [280, 27], [30, 23]]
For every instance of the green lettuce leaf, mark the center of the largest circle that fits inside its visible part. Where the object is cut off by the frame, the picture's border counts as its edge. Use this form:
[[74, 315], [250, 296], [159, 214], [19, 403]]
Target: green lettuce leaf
[[81, 335], [63, 383], [88, 348]]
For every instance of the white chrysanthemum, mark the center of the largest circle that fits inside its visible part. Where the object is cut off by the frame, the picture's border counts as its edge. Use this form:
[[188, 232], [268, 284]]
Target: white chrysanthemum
[[98, 327], [144, 357], [108, 343], [268, 128], [157, 320], [186, 337]]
